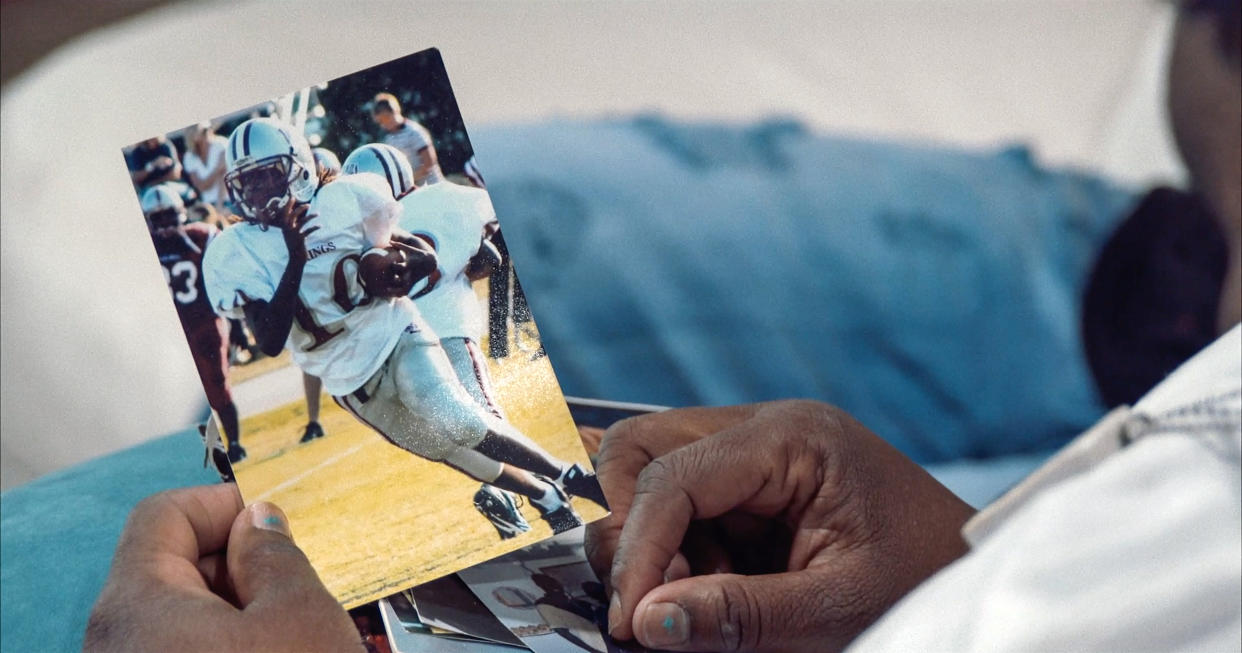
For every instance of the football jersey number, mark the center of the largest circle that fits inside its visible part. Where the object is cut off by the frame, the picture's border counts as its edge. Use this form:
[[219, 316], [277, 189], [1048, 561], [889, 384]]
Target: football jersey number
[[320, 334], [182, 280]]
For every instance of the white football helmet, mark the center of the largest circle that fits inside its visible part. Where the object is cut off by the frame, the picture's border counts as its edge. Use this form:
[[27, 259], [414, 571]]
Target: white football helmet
[[269, 164], [326, 159], [161, 197], [385, 161], [163, 208]]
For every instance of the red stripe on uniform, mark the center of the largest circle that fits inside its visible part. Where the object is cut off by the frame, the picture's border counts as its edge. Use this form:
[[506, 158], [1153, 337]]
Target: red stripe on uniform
[[485, 380]]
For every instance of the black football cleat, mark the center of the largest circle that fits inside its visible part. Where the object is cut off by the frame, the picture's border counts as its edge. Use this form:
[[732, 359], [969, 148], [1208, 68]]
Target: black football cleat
[[578, 482], [502, 510], [313, 431], [215, 454], [237, 453], [220, 461], [563, 518]]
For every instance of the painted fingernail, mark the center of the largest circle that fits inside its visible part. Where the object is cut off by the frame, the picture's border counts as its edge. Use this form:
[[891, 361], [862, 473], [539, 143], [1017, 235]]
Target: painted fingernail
[[614, 613], [269, 518], [665, 624]]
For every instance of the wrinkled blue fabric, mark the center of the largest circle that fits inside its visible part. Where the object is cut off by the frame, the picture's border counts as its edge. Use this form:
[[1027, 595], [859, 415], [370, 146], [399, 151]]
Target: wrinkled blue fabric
[[57, 535], [933, 293]]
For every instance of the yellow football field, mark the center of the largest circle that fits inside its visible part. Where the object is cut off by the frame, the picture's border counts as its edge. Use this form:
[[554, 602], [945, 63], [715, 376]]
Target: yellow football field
[[375, 519]]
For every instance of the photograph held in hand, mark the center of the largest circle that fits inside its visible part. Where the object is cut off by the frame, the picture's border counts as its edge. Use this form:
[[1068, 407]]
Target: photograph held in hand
[[360, 285]]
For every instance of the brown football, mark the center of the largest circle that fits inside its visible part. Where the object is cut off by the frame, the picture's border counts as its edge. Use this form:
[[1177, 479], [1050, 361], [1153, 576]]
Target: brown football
[[384, 272]]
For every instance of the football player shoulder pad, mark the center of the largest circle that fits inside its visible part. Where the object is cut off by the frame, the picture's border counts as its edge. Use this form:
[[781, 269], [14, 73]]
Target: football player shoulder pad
[[365, 196], [477, 199], [242, 259]]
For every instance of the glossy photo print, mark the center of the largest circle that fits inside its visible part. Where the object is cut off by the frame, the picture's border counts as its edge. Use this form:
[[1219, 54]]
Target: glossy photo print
[[548, 596], [408, 634], [343, 284]]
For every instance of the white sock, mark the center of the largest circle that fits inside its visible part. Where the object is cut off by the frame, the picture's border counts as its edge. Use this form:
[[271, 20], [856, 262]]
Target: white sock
[[549, 502]]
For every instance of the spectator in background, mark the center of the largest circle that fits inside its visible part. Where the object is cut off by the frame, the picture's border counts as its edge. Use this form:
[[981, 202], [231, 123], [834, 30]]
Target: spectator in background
[[408, 136], [152, 162], [204, 166], [155, 161]]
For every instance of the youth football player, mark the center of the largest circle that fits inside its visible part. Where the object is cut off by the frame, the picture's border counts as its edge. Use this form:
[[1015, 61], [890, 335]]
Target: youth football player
[[293, 269], [457, 221], [180, 247]]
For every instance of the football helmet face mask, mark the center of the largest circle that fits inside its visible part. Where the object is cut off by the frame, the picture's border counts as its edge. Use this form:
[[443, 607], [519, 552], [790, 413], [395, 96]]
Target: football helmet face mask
[[164, 211], [269, 165], [385, 161]]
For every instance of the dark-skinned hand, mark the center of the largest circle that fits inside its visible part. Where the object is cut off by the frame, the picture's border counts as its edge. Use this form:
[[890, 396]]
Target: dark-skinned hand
[[292, 219], [784, 526], [194, 571]]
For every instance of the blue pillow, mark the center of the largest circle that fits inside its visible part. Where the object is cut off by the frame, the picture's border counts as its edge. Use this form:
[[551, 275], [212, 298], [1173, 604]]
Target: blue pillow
[[932, 292]]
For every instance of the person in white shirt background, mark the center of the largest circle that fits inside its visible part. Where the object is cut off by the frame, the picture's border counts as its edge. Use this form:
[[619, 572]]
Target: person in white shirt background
[[204, 166], [409, 136]]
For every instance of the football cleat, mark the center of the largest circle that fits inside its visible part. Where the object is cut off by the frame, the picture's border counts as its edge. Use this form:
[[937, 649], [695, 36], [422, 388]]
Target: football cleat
[[240, 355], [313, 431], [237, 453], [578, 482], [563, 517], [215, 454], [501, 509]]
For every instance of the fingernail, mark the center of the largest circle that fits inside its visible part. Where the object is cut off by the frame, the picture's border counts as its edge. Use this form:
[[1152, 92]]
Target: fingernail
[[614, 613], [269, 518], [665, 624]]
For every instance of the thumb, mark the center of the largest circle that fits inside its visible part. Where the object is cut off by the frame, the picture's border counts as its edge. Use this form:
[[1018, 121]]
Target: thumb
[[793, 611], [275, 584], [265, 566]]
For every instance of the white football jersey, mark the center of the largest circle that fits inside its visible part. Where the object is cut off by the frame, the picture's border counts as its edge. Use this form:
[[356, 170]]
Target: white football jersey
[[453, 217], [339, 333]]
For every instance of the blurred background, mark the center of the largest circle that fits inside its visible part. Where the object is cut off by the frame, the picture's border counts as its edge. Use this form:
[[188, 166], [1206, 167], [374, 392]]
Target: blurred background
[[708, 202]]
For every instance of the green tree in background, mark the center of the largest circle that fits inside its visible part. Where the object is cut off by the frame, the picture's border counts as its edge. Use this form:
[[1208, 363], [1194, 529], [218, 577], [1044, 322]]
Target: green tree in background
[[420, 83]]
